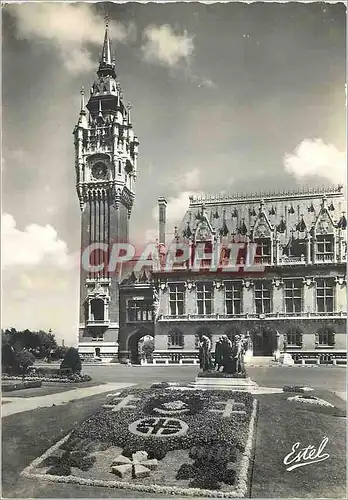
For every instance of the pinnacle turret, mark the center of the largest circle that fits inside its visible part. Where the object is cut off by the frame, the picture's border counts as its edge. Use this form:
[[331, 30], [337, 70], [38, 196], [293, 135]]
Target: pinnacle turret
[[106, 62]]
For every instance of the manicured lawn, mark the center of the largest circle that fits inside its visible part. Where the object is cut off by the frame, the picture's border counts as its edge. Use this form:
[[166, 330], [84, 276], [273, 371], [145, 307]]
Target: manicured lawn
[[280, 425], [27, 435]]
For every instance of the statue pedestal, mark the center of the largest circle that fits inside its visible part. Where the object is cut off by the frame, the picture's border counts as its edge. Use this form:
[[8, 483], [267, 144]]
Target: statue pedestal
[[225, 383]]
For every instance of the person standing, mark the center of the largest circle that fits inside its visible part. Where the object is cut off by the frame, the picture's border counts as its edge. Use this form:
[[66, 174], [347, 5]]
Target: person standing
[[218, 354]]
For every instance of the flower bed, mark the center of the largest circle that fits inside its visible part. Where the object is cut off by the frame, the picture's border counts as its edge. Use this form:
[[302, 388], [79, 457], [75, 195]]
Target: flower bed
[[297, 388], [52, 378], [311, 400], [195, 443]]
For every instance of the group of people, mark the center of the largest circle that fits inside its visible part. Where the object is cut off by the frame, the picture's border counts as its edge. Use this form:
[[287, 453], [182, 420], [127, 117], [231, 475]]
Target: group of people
[[229, 354]]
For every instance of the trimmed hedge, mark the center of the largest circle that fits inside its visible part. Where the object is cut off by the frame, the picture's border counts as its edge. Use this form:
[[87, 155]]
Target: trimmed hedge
[[297, 388], [43, 371], [21, 385]]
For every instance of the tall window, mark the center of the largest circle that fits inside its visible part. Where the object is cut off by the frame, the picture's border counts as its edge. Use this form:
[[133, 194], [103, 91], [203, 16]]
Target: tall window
[[233, 298], [139, 310], [293, 296], [204, 298], [263, 251], [325, 248], [263, 297], [325, 295], [175, 338], [177, 300], [97, 310]]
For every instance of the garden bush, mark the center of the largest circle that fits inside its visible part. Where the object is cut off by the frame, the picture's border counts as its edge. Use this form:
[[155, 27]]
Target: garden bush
[[72, 360]]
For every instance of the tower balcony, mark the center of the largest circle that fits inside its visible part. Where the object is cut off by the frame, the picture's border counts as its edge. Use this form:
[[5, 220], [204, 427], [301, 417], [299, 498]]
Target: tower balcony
[[97, 322]]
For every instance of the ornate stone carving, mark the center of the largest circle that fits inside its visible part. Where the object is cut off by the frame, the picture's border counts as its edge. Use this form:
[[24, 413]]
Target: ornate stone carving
[[277, 282], [190, 285], [202, 231], [308, 281], [219, 285], [247, 283], [340, 280]]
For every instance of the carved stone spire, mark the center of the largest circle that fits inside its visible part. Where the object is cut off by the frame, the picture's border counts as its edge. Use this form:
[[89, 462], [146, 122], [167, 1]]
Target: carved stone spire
[[106, 63]]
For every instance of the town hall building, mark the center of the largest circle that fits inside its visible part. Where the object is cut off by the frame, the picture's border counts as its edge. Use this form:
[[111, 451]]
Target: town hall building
[[295, 301]]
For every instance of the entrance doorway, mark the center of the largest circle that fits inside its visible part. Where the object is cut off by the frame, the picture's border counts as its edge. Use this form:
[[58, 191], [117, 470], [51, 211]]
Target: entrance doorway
[[263, 342], [134, 347]]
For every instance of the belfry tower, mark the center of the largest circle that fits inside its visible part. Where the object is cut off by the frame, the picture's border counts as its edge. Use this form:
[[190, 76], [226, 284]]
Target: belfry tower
[[106, 170]]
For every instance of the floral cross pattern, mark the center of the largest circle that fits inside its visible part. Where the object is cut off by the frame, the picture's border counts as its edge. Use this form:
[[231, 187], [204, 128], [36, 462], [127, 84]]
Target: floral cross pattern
[[213, 465], [136, 467], [61, 464]]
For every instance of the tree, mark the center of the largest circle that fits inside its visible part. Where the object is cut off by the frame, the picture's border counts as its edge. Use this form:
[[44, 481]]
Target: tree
[[23, 360], [7, 357], [147, 348], [40, 342], [72, 360]]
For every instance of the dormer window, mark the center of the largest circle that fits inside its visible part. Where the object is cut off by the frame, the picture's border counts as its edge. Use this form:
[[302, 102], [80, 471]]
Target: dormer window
[[325, 248], [263, 251]]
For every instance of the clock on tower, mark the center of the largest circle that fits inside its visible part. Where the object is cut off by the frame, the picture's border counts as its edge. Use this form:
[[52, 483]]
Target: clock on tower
[[106, 152]]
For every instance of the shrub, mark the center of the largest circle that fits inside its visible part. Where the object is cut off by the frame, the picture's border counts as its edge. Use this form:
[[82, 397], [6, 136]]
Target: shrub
[[72, 360], [23, 360]]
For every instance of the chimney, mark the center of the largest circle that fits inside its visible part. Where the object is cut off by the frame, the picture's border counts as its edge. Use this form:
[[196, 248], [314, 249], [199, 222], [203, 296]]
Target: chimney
[[162, 215]]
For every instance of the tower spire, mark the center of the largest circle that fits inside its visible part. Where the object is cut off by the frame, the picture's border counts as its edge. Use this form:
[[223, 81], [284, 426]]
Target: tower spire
[[106, 62]]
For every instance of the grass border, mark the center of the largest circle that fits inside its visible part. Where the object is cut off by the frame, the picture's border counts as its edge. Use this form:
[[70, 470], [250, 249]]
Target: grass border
[[240, 490]]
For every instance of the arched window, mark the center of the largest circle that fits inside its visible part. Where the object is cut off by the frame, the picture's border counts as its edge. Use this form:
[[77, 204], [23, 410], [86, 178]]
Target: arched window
[[175, 338], [97, 310]]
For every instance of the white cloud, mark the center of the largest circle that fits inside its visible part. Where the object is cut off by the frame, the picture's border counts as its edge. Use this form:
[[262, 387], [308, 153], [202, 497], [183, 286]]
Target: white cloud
[[176, 209], [315, 158], [35, 245], [165, 47], [188, 179], [70, 27]]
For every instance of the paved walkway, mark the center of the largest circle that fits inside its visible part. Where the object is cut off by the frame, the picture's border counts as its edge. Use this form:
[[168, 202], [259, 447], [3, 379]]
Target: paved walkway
[[18, 405], [342, 395]]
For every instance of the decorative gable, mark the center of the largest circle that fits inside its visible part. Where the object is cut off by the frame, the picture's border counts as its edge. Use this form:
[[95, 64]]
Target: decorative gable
[[262, 227], [324, 223], [204, 230]]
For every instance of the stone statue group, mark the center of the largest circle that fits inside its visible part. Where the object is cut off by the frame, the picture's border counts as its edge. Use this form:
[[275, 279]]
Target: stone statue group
[[229, 355]]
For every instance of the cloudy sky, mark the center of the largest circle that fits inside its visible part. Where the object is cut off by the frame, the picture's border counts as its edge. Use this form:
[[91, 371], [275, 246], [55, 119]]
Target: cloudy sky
[[226, 97]]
